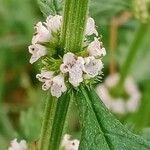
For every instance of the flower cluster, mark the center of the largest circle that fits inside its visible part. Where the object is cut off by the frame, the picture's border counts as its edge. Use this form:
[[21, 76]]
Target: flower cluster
[[70, 144], [70, 69], [22, 145], [120, 104], [142, 11]]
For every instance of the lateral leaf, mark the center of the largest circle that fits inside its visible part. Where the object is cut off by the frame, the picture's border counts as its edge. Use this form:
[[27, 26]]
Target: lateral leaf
[[100, 129]]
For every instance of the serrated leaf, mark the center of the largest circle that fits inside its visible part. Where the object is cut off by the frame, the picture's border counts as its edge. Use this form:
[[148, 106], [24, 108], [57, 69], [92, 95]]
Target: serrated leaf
[[50, 7], [100, 129]]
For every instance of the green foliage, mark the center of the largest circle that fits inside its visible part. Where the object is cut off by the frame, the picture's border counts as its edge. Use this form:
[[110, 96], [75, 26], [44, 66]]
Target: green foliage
[[30, 119], [146, 133], [100, 129], [50, 7], [17, 18], [6, 129], [104, 10], [144, 111], [141, 61]]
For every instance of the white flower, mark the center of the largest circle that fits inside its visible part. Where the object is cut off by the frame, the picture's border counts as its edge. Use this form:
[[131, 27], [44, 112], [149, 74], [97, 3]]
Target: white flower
[[54, 23], [134, 93], [74, 66], [69, 60], [133, 104], [69, 144], [90, 27], [92, 66], [22, 145], [120, 105], [37, 52], [112, 80], [46, 77], [76, 72], [58, 86], [47, 84], [42, 34], [95, 48], [115, 105], [103, 93]]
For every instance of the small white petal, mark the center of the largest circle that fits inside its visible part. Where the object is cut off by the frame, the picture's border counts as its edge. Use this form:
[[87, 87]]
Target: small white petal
[[69, 58], [64, 68], [42, 34], [65, 139], [74, 66], [75, 75], [133, 104], [54, 23], [103, 93], [45, 75], [95, 48], [47, 84], [92, 66], [90, 27], [69, 144], [130, 86], [22, 145], [129, 105], [134, 95], [58, 86], [37, 52], [112, 80], [76, 72], [118, 106]]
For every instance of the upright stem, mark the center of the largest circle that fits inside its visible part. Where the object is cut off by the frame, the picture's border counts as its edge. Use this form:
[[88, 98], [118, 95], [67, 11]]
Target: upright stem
[[71, 39], [47, 123], [75, 16], [59, 121], [133, 51]]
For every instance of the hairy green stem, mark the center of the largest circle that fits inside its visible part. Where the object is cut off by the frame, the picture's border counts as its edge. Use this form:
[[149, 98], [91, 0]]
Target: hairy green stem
[[133, 51], [74, 22], [59, 121], [49, 114], [71, 39]]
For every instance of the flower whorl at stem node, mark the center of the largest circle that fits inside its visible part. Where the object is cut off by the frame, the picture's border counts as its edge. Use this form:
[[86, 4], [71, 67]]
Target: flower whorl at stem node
[[69, 69], [120, 104]]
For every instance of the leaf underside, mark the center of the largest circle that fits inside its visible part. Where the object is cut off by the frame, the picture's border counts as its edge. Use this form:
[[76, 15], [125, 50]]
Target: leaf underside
[[100, 129]]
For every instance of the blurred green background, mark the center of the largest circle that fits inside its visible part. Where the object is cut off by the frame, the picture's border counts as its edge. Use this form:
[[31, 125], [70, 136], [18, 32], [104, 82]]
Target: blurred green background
[[21, 97]]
